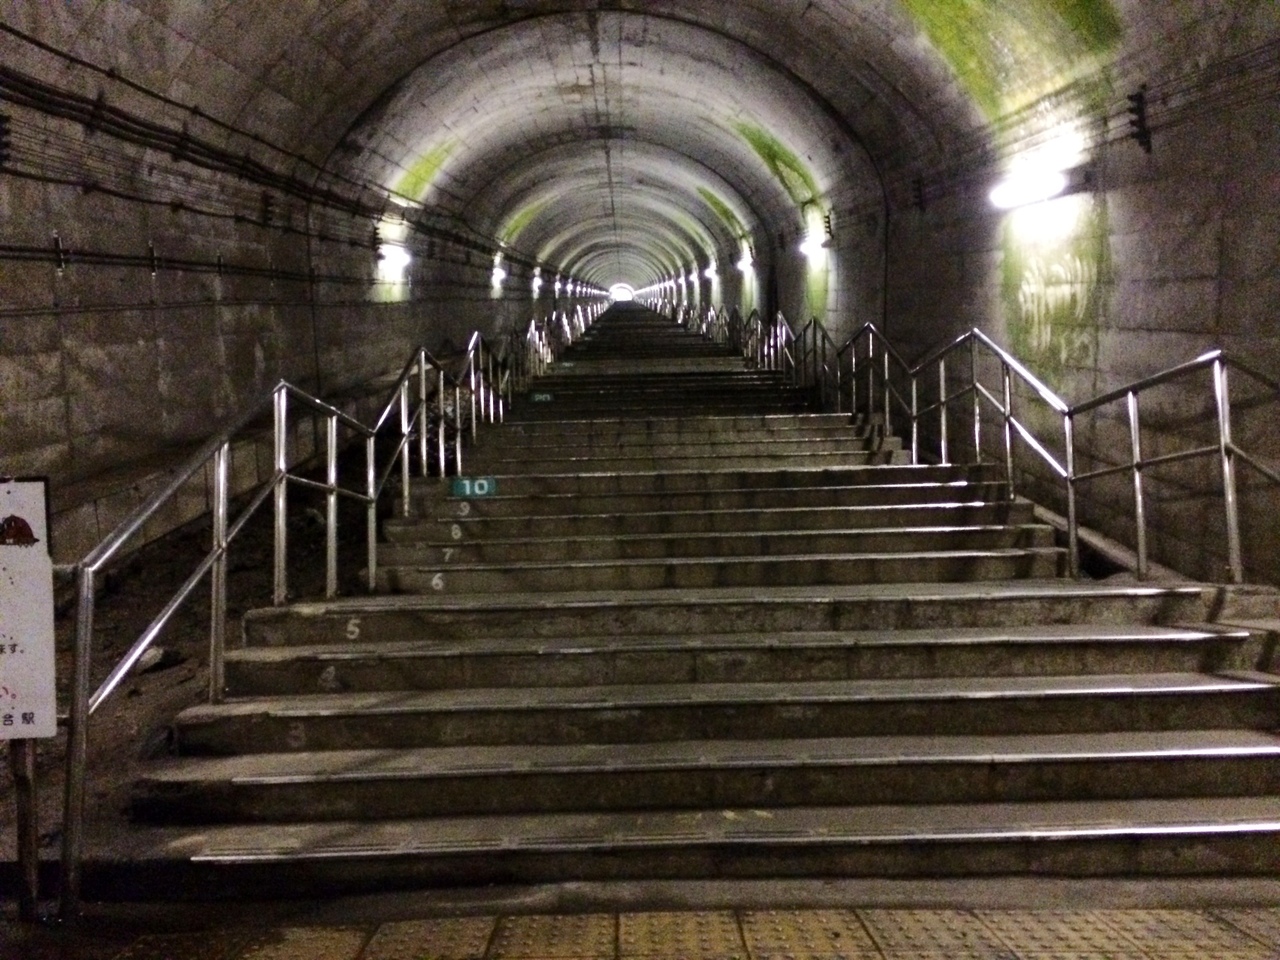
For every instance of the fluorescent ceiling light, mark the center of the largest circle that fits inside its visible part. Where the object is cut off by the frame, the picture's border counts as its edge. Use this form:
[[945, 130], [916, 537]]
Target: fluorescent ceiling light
[[1027, 187]]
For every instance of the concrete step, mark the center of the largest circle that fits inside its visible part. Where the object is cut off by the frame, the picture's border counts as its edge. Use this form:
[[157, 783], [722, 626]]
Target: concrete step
[[762, 457], [959, 481], [1187, 836], [709, 775], [650, 546], [453, 531], [495, 451], [605, 365], [651, 713], [871, 496], [577, 613], [701, 572], [431, 664], [512, 440], [473, 528], [676, 427], [553, 410]]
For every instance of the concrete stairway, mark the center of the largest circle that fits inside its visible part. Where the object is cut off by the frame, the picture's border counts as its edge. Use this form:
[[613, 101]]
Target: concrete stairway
[[689, 630]]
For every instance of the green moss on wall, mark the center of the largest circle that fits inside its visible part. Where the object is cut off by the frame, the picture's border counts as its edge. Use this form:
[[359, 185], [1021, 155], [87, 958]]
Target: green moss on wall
[[422, 172], [523, 217], [782, 162], [1054, 283], [1095, 23], [723, 211], [1006, 53]]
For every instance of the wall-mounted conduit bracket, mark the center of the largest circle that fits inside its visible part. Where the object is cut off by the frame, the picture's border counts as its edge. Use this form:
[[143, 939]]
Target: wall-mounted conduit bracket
[[1138, 118]]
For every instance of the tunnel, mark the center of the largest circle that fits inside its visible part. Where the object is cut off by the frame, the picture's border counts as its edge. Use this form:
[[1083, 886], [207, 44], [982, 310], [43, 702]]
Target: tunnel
[[199, 200]]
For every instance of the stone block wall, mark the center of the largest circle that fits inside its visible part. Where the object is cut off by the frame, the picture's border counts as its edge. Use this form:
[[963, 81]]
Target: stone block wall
[[1177, 252]]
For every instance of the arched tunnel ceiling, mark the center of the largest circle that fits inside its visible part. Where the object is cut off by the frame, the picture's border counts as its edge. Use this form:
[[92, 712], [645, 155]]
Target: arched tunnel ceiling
[[464, 101], [666, 207], [654, 108]]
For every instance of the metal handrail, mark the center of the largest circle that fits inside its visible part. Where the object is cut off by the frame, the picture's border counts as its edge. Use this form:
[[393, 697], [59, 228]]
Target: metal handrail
[[933, 369], [884, 364], [478, 372]]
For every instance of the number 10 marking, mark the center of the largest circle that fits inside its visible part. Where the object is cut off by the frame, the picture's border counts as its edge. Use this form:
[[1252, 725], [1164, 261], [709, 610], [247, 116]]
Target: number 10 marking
[[474, 486]]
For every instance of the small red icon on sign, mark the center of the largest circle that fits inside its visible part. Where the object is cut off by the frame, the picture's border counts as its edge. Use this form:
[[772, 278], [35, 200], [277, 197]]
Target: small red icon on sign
[[16, 532]]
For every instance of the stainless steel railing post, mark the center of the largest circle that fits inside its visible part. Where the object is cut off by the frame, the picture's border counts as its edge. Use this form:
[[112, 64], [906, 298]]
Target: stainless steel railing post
[[915, 420], [371, 509], [1222, 395], [280, 577], [1008, 428], [977, 400], [218, 576], [853, 380], [1139, 502], [871, 378], [471, 383], [331, 508], [424, 421], [441, 424], [1073, 521], [77, 750], [942, 412], [457, 433], [887, 388], [405, 429]]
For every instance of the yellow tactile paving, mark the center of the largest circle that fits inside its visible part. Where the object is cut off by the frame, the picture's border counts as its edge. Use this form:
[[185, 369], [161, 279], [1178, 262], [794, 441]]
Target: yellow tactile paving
[[808, 934], [1262, 924], [306, 943], [704, 935], [209, 945], [1166, 932], [852, 934], [1041, 934], [921, 932], [546, 937], [460, 938]]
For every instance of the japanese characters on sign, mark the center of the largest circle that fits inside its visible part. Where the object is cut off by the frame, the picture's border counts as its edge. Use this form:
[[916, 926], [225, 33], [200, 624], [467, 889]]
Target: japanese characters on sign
[[28, 706]]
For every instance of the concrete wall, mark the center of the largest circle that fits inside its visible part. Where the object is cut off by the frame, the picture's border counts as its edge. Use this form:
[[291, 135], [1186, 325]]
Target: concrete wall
[[1167, 255], [111, 375]]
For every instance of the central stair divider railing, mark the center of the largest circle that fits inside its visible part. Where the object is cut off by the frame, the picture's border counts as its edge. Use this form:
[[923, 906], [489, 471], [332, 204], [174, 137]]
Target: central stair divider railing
[[777, 350], [817, 365], [885, 374], [429, 397], [952, 375]]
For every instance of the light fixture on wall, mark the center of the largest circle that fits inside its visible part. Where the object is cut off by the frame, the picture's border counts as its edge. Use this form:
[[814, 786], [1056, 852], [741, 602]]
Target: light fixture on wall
[[711, 273], [393, 262], [1028, 187], [817, 235], [1055, 166], [747, 262]]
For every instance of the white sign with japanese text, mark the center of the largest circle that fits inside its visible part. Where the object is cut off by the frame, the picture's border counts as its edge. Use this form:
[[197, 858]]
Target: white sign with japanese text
[[28, 701]]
